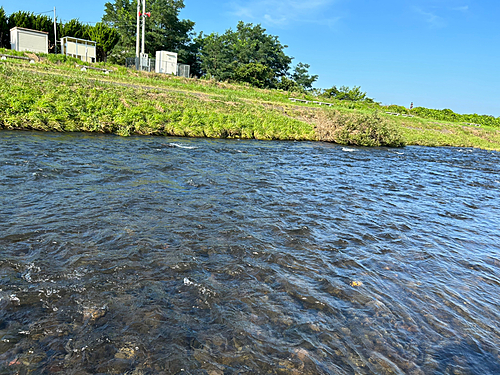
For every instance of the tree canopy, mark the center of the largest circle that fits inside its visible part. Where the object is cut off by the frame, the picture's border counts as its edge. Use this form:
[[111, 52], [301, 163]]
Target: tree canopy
[[104, 36], [4, 29], [302, 78], [346, 93], [164, 30], [246, 54]]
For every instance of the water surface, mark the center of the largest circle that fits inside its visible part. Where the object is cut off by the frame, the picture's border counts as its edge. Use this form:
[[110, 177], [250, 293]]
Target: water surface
[[148, 255]]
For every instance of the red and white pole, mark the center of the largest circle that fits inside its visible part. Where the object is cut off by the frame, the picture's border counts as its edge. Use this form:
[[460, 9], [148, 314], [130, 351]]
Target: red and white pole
[[138, 29]]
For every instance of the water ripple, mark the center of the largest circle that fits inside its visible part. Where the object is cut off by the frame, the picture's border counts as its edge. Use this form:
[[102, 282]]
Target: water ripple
[[152, 255]]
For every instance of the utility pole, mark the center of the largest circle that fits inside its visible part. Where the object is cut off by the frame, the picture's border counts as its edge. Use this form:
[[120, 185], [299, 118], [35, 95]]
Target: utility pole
[[55, 31], [140, 55], [143, 24], [138, 28]]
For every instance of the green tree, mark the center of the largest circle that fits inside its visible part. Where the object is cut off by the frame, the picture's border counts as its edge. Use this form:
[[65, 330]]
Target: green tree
[[164, 29], [254, 73], [4, 29], [302, 78], [216, 55], [74, 28], [190, 55], [346, 93], [241, 54], [105, 37], [121, 16], [288, 84]]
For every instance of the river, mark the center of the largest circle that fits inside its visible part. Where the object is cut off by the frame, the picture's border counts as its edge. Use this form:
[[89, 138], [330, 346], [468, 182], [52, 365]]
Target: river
[[149, 255]]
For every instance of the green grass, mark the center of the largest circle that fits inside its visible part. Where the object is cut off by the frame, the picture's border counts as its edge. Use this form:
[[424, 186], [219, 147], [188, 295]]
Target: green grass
[[53, 102], [54, 95]]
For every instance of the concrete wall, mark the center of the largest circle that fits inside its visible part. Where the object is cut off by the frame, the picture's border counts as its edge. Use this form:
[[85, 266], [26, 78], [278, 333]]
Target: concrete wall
[[29, 40]]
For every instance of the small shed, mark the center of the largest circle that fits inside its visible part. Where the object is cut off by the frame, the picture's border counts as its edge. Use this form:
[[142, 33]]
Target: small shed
[[82, 49], [166, 62], [22, 39]]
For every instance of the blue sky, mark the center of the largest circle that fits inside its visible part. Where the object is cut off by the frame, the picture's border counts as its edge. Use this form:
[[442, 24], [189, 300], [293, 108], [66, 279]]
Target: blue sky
[[434, 53]]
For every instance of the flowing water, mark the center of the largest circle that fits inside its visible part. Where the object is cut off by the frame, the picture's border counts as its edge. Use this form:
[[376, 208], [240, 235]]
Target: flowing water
[[148, 255]]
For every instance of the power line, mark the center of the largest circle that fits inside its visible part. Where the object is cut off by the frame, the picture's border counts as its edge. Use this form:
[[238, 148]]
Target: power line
[[49, 11], [82, 22]]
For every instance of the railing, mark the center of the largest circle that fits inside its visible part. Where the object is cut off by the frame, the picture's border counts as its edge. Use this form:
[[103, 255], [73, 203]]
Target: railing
[[4, 57]]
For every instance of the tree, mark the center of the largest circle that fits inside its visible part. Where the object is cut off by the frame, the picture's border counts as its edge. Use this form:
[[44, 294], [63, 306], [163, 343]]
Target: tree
[[164, 30], [254, 73], [241, 54], [105, 37], [75, 29], [302, 78], [121, 16], [288, 84], [4, 29], [346, 93], [216, 56]]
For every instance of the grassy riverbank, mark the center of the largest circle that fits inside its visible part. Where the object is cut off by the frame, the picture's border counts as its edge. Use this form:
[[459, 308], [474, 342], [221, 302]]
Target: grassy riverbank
[[54, 95]]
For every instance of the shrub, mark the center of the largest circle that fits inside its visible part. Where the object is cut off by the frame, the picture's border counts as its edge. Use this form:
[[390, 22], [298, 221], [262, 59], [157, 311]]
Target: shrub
[[357, 129]]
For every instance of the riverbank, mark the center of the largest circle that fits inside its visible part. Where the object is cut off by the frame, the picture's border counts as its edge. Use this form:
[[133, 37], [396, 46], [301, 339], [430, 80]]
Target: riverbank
[[59, 96]]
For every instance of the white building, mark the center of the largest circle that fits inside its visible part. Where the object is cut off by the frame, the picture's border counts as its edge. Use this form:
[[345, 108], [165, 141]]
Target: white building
[[166, 62], [82, 49], [22, 39]]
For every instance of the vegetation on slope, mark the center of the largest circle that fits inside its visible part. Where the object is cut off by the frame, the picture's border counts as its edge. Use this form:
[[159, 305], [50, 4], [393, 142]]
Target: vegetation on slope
[[37, 101], [54, 95], [359, 129]]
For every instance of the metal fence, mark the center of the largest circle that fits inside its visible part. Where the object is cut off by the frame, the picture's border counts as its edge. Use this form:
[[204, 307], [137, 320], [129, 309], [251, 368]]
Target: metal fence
[[183, 70], [141, 63], [148, 65]]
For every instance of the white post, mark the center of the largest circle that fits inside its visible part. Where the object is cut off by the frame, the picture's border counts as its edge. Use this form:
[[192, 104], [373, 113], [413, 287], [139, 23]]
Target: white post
[[143, 23], [55, 31], [138, 29]]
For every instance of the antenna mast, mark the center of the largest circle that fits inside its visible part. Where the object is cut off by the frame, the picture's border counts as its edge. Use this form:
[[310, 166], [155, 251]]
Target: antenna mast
[[55, 31]]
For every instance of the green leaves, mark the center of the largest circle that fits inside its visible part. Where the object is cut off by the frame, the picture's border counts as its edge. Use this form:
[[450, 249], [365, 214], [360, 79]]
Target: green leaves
[[245, 55], [4, 29], [371, 130], [301, 76], [164, 30], [345, 93], [105, 37], [256, 74]]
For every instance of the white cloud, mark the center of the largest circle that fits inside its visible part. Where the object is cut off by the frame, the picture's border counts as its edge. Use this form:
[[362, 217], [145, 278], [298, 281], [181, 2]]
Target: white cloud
[[464, 8], [283, 13], [431, 18]]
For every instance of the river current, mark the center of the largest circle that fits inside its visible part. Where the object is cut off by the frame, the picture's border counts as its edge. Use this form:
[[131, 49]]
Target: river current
[[149, 255]]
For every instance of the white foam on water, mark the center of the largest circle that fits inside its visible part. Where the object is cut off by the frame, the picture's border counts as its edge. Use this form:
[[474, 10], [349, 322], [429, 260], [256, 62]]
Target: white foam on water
[[203, 290], [180, 145], [345, 149]]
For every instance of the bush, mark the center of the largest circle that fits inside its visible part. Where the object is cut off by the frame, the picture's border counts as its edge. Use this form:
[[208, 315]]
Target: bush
[[357, 129]]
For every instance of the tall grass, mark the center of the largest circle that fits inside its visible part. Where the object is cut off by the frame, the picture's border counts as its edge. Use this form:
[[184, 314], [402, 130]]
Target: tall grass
[[47, 102], [358, 129]]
